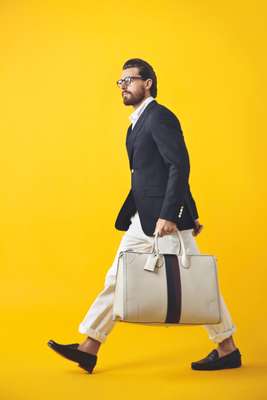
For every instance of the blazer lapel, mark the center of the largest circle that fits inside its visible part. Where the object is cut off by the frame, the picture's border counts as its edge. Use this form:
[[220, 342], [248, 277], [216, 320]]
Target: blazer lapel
[[132, 133]]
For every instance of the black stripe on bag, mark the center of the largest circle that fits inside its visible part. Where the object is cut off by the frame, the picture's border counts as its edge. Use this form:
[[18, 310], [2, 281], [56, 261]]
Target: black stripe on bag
[[173, 288]]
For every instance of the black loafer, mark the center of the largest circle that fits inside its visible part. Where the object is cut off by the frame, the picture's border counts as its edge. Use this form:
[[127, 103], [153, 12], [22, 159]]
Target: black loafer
[[213, 361], [86, 361]]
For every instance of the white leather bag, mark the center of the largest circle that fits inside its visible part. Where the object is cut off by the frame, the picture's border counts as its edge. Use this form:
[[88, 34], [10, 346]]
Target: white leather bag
[[166, 289]]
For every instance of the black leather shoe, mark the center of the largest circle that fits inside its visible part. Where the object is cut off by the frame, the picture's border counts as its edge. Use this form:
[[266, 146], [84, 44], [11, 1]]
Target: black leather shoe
[[213, 361], [71, 352]]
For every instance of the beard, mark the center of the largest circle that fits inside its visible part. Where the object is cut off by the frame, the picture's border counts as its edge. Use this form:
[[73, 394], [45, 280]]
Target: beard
[[129, 99]]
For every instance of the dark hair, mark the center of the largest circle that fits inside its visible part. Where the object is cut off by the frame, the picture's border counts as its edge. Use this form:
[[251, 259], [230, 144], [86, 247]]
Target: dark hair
[[145, 70]]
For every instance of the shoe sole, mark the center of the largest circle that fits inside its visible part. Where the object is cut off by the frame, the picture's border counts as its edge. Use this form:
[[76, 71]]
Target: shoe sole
[[88, 368], [214, 367]]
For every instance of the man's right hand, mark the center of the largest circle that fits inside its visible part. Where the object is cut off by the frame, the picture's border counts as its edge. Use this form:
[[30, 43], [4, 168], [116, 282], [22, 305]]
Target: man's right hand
[[198, 228]]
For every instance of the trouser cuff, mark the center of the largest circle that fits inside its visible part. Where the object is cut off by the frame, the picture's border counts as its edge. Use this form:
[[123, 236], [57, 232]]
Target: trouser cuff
[[101, 337], [219, 337]]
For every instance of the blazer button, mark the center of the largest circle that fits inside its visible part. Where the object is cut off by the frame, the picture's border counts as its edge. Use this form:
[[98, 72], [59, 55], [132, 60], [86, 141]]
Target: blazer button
[[132, 170]]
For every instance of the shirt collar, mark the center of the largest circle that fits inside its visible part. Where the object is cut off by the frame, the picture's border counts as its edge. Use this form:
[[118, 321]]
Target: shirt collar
[[136, 114]]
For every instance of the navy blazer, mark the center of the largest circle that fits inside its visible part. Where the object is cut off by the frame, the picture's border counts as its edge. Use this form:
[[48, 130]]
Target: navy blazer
[[159, 164]]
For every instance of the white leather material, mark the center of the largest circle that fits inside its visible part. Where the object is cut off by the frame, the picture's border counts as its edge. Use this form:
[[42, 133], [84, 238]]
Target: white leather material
[[200, 291], [141, 292], [140, 295], [118, 306]]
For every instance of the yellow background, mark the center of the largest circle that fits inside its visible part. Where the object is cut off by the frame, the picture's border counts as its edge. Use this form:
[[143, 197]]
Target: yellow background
[[65, 173]]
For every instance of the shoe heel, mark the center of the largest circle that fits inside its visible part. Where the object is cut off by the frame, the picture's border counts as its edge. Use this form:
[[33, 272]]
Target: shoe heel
[[88, 367]]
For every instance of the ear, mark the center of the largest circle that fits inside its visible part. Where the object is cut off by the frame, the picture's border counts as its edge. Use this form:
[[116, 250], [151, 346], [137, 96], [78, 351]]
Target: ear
[[148, 83]]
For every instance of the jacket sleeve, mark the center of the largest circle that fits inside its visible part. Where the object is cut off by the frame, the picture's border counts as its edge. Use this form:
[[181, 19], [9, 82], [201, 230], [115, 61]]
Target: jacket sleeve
[[192, 205], [168, 136]]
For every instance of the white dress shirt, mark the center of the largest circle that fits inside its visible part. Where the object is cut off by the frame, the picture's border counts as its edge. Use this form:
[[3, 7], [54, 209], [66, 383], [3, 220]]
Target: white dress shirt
[[136, 114]]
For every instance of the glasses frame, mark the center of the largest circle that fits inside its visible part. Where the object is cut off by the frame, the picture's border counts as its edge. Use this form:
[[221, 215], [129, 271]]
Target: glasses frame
[[130, 80]]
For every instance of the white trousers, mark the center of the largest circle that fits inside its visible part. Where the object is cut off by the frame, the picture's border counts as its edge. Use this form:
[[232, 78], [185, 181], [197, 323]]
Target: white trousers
[[98, 322]]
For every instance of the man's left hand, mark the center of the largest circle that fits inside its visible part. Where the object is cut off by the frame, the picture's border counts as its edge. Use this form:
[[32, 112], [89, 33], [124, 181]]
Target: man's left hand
[[164, 227]]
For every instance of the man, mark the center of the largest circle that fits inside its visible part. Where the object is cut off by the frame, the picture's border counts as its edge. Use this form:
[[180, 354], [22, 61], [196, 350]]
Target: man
[[159, 201]]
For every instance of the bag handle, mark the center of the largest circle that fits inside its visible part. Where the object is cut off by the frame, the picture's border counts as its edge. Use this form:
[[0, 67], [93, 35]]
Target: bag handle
[[182, 251]]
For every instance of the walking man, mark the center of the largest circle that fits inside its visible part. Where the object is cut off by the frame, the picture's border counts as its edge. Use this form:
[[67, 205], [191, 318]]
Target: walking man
[[159, 201]]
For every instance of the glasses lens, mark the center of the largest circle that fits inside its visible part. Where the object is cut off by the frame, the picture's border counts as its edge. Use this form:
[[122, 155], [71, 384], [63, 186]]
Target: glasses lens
[[127, 80]]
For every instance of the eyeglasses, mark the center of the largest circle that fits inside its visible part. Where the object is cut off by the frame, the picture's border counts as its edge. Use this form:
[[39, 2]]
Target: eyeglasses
[[128, 80]]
